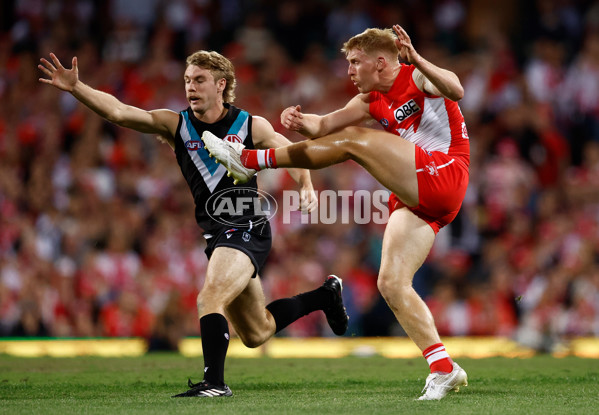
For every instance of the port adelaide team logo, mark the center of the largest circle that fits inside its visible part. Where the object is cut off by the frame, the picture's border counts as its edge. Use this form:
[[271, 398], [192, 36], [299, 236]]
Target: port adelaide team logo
[[227, 206]]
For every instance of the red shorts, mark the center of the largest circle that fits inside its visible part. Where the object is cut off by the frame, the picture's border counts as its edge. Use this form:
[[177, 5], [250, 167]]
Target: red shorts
[[442, 183]]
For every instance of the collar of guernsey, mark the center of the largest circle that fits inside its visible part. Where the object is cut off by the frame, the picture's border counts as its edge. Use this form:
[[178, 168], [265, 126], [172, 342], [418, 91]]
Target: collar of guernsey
[[211, 171], [402, 81]]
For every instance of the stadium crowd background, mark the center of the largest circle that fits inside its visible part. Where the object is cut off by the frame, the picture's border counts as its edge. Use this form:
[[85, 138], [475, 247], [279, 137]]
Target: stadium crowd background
[[97, 231]]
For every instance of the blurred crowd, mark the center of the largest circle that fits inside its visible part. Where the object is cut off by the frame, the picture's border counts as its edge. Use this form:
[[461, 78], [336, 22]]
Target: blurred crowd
[[97, 228]]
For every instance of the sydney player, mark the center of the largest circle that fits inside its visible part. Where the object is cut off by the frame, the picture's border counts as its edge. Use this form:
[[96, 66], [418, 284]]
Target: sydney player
[[422, 157]]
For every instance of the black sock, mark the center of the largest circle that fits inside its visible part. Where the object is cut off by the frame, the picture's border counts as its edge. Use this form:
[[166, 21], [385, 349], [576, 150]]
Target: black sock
[[214, 330], [286, 310]]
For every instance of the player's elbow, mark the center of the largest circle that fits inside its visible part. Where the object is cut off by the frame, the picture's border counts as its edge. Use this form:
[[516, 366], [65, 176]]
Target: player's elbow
[[115, 116], [457, 93], [311, 134], [118, 115]]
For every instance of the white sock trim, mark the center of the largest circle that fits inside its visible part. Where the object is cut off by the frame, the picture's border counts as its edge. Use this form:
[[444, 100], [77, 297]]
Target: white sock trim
[[438, 349], [433, 357], [261, 155]]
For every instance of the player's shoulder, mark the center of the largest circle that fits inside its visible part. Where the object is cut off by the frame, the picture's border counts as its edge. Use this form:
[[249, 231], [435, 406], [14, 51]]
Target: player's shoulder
[[236, 111], [362, 100], [260, 123], [165, 115], [167, 122], [262, 131]]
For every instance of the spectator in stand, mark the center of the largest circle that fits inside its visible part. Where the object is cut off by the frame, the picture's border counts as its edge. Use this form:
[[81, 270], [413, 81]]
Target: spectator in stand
[[62, 170]]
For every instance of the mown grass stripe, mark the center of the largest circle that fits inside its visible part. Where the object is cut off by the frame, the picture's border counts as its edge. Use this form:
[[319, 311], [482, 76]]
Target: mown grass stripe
[[349, 385]]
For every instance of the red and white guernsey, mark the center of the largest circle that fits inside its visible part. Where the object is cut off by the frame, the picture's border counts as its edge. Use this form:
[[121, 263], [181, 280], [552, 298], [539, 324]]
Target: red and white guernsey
[[431, 122]]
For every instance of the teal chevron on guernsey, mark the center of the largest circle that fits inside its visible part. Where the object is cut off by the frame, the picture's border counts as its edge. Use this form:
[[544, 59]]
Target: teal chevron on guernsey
[[240, 126], [211, 171], [189, 133]]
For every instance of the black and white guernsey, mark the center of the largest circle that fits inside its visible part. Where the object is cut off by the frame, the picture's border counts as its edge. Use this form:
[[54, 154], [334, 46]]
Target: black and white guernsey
[[216, 198]]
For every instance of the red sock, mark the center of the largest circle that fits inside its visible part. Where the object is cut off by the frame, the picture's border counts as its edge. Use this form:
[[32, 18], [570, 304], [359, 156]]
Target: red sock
[[259, 159], [438, 359]]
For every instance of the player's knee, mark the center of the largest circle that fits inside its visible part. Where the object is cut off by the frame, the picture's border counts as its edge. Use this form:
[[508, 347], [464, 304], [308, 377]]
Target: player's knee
[[202, 303], [356, 132], [357, 140], [211, 301], [391, 287], [383, 285], [252, 340]]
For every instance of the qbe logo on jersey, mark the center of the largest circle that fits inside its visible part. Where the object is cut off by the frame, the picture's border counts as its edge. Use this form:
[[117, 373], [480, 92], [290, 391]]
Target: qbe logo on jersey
[[406, 110], [228, 206]]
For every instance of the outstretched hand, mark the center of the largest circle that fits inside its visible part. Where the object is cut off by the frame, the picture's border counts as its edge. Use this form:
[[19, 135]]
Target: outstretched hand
[[291, 118], [404, 44], [60, 77]]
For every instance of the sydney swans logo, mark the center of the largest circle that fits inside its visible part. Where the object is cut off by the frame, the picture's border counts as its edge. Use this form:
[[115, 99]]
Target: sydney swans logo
[[228, 206]]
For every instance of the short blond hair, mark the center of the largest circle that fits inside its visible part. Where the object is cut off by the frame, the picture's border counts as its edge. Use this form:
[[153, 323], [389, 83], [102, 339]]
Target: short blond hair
[[373, 40], [219, 66]]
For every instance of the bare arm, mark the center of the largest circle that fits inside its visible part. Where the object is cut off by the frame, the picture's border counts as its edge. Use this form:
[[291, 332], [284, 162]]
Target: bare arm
[[313, 126], [161, 122], [428, 77], [266, 137]]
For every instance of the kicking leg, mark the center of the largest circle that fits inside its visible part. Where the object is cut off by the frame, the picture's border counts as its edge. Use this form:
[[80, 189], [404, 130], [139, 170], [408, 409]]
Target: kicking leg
[[379, 152]]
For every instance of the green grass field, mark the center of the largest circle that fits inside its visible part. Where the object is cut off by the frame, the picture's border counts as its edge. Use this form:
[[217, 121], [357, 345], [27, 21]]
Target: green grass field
[[373, 385]]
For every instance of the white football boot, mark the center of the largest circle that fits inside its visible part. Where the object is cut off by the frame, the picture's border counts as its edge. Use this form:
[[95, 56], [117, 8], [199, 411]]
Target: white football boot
[[229, 154], [439, 384]]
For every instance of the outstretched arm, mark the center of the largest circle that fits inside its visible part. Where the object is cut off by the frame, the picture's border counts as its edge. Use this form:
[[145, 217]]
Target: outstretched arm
[[314, 126], [161, 122], [266, 137], [428, 77]]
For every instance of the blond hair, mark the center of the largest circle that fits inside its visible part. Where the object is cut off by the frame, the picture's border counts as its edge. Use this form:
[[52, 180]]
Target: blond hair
[[219, 66], [373, 40]]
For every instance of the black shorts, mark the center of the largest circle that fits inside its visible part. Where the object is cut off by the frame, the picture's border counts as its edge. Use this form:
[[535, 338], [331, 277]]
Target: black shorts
[[255, 243]]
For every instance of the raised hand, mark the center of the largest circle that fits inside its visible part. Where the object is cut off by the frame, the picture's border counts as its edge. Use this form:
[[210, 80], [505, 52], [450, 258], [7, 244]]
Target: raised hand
[[60, 77], [291, 118], [404, 44]]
